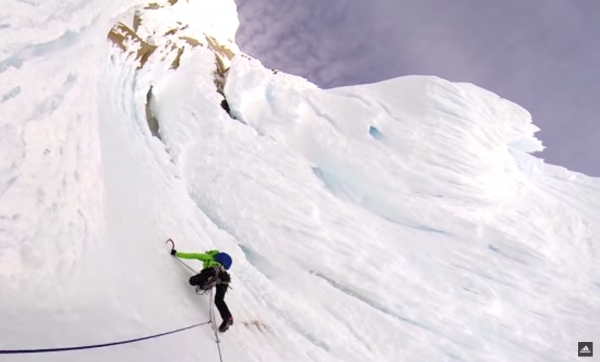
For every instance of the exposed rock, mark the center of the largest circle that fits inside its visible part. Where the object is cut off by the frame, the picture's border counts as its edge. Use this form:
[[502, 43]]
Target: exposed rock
[[143, 41], [121, 33]]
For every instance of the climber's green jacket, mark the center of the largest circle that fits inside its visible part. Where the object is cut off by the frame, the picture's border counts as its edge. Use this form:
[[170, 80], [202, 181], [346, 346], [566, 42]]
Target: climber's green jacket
[[207, 258]]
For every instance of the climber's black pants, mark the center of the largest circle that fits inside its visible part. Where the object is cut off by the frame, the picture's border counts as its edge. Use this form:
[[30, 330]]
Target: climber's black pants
[[221, 288]]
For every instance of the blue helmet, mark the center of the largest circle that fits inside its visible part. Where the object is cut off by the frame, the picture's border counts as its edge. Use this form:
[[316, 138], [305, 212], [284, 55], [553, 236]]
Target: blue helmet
[[223, 259]]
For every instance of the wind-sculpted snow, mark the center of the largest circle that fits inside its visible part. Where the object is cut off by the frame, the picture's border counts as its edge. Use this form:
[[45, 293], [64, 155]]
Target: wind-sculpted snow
[[51, 196], [442, 226], [407, 220], [82, 256]]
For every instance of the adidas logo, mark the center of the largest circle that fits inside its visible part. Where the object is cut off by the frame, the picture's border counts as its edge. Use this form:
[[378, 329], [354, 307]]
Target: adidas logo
[[585, 349]]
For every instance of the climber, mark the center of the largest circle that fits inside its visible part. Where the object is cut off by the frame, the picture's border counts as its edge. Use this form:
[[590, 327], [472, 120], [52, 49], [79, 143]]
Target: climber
[[214, 273]]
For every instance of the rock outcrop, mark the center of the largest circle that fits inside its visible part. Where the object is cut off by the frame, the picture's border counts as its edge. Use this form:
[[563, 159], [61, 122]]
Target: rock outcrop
[[163, 32]]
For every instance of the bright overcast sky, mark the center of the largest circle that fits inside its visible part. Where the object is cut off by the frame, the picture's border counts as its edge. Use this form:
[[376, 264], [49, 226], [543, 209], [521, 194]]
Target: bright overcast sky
[[542, 54]]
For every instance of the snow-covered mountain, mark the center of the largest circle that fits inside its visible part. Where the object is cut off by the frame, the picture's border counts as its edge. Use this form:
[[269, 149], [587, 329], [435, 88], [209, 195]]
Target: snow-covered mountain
[[407, 220]]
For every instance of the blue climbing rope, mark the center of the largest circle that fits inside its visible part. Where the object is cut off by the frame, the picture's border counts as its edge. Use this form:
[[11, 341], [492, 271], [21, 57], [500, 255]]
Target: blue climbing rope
[[63, 349], [76, 348]]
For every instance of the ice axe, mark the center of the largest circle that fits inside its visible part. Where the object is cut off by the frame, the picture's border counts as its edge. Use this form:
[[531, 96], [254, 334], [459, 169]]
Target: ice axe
[[173, 248], [172, 243]]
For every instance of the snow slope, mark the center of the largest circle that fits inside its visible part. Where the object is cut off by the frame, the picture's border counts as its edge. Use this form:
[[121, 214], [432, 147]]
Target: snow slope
[[400, 221]]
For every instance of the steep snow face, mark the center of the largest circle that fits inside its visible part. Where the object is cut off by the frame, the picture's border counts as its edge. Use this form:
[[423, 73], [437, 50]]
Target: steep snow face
[[382, 219], [51, 194], [82, 195], [399, 221]]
